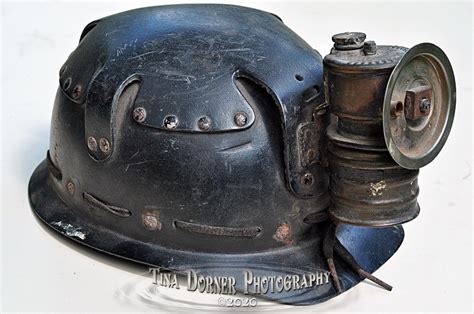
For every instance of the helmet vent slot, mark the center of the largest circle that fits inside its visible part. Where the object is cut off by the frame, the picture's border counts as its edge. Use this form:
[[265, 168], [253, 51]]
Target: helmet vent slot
[[242, 232], [95, 202]]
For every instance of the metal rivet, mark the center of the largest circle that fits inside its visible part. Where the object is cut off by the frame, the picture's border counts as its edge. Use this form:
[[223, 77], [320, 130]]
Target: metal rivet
[[67, 83], [307, 179], [425, 105], [91, 143], [76, 93], [240, 119], [311, 154], [171, 122], [139, 114], [104, 145], [284, 233], [150, 221], [308, 134], [204, 123], [70, 187]]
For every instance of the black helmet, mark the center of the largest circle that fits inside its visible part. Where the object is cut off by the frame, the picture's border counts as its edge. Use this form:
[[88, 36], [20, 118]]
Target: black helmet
[[193, 135]]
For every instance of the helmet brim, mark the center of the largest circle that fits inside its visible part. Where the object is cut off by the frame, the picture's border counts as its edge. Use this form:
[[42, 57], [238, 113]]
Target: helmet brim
[[371, 247]]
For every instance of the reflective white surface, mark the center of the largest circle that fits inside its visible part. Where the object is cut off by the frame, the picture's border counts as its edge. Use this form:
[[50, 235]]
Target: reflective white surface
[[41, 271]]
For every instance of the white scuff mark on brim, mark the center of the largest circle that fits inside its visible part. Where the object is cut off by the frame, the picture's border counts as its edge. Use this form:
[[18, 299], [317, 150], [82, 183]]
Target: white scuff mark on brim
[[70, 230]]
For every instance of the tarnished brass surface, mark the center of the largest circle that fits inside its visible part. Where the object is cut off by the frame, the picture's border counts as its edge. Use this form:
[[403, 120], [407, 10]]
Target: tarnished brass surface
[[367, 186]]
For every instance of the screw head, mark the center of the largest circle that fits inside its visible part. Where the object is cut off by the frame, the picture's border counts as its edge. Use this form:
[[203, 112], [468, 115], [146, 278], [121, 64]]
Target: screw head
[[139, 114], [240, 119], [307, 179], [104, 145], [70, 187], [77, 91], [170, 122], [204, 123], [425, 105], [92, 143]]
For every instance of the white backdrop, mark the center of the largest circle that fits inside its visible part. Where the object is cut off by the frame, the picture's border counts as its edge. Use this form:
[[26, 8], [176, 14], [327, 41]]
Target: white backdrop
[[40, 271]]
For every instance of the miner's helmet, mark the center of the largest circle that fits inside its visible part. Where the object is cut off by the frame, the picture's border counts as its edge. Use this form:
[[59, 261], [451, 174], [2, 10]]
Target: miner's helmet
[[192, 137]]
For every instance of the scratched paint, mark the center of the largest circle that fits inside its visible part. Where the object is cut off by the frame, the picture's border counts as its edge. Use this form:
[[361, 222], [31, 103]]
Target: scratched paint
[[70, 230]]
